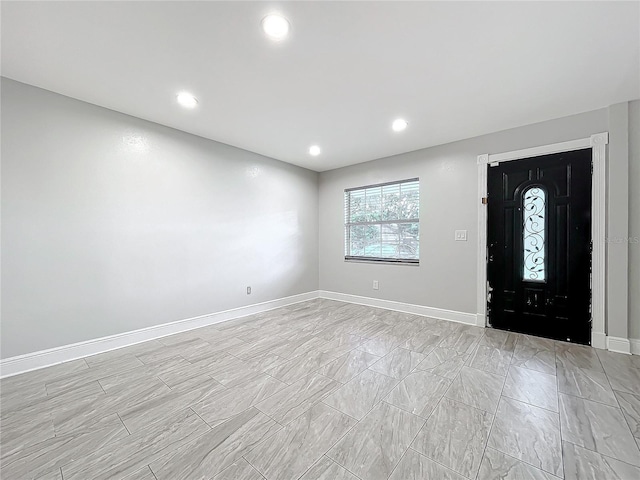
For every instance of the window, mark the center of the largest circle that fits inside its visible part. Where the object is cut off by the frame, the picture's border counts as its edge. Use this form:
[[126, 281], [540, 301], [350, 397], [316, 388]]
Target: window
[[533, 203], [382, 222]]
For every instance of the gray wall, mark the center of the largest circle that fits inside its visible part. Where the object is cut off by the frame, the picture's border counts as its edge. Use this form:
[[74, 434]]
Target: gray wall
[[634, 219], [446, 277], [617, 287], [111, 223]]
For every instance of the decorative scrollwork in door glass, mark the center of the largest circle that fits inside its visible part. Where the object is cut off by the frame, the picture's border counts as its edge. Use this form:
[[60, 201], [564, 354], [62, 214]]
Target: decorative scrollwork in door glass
[[533, 233]]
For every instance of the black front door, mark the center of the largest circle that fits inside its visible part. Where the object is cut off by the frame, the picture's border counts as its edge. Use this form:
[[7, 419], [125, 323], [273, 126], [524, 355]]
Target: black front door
[[539, 246]]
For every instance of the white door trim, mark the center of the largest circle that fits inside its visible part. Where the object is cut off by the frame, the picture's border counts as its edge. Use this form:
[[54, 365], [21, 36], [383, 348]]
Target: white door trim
[[598, 144]]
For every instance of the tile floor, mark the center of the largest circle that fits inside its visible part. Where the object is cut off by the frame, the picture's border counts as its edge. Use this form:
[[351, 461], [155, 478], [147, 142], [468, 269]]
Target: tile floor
[[333, 391]]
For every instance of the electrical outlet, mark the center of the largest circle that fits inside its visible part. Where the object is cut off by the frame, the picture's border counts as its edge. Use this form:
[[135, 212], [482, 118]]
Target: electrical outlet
[[375, 285], [461, 236], [248, 290]]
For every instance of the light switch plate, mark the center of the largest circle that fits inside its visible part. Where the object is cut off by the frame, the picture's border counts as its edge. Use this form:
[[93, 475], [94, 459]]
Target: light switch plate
[[461, 236]]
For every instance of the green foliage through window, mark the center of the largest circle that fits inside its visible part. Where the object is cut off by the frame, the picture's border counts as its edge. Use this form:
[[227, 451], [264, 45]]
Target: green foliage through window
[[382, 222]]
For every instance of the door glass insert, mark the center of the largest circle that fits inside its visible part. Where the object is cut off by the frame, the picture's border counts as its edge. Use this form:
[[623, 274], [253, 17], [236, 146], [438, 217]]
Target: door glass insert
[[533, 233]]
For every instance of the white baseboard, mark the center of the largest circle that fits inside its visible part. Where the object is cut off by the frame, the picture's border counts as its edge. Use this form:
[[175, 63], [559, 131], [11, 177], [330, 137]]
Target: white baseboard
[[46, 358], [618, 345], [442, 314], [635, 345]]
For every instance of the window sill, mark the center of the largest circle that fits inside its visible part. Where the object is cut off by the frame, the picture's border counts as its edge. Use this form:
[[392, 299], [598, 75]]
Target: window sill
[[382, 262]]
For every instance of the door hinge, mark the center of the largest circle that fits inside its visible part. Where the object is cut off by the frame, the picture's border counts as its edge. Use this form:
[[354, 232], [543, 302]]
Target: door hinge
[[485, 200]]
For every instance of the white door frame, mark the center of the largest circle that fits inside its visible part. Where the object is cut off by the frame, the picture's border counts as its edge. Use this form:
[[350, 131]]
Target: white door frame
[[598, 144]]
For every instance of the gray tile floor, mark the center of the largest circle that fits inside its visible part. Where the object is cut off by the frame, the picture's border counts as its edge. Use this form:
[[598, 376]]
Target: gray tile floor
[[333, 391]]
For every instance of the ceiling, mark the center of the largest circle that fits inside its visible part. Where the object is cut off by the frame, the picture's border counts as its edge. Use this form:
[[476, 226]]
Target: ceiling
[[453, 70]]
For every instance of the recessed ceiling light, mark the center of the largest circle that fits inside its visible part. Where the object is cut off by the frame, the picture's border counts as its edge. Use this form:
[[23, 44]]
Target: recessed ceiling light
[[187, 100], [399, 125], [314, 150], [275, 26]]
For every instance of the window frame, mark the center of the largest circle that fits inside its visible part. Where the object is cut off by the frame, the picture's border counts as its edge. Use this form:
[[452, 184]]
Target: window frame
[[527, 233], [348, 224]]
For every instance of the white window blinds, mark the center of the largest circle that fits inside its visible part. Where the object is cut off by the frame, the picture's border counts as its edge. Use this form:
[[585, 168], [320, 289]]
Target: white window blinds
[[382, 222]]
